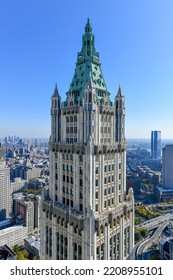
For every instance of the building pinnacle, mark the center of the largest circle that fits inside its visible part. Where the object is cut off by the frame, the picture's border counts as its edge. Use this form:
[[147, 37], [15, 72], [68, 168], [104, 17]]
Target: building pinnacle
[[56, 90], [88, 27], [119, 91]]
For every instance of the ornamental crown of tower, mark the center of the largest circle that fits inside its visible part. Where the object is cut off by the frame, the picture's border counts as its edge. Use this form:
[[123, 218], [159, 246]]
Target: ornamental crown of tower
[[88, 68], [88, 89]]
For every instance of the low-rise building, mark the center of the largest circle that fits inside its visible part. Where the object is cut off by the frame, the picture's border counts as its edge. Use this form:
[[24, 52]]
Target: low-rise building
[[29, 208], [13, 235], [32, 245], [163, 194], [166, 249]]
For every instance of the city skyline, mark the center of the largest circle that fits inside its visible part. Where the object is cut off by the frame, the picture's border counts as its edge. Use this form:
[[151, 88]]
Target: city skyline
[[134, 40]]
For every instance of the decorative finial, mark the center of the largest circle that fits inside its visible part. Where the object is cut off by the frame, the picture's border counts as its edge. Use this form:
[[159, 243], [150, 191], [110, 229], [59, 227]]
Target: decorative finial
[[88, 27]]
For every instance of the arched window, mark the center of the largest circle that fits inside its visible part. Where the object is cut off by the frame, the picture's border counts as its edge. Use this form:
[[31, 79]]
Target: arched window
[[90, 97]]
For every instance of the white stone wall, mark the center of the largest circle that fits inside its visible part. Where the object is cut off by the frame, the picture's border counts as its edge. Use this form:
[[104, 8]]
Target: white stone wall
[[13, 235]]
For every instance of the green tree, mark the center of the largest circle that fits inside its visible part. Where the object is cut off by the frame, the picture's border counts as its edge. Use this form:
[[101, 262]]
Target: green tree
[[16, 248], [144, 232], [137, 235], [22, 255], [31, 191], [20, 252], [140, 233]]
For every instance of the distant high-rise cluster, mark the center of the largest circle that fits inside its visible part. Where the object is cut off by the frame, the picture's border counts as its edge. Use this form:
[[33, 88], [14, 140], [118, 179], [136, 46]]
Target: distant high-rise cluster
[[23, 168], [87, 213], [156, 144]]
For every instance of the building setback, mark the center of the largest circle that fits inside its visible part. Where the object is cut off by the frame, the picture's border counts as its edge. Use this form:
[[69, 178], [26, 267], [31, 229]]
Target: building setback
[[87, 214]]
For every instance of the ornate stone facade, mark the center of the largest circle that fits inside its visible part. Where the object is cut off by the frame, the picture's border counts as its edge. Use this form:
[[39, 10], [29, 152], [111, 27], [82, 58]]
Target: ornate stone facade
[[86, 213]]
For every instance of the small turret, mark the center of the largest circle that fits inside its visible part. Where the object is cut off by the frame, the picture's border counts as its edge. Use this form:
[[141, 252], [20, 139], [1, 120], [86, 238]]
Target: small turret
[[55, 113], [119, 116], [119, 94], [55, 98], [56, 94]]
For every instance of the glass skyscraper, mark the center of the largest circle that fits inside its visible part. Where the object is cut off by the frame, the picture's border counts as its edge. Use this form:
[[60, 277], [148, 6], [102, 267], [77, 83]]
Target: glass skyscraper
[[156, 144]]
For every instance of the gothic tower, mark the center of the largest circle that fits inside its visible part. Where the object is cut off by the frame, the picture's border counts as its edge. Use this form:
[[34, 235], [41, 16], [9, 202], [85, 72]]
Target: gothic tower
[[86, 213]]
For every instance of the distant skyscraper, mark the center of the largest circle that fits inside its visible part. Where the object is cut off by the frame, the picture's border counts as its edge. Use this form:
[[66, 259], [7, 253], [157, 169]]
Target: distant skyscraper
[[156, 144], [87, 213], [2, 153], [4, 191], [167, 166]]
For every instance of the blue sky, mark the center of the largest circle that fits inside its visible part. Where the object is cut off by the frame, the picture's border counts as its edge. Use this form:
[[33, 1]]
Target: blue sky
[[39, 41]]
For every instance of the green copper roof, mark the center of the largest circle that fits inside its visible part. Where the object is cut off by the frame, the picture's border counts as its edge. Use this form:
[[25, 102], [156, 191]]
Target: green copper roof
[[88, 64]]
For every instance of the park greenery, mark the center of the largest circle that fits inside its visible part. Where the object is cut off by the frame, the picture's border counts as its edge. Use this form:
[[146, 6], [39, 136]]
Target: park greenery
[[138, 220], [23, 254], [140, 233], [146, 212], [31, 191], [148, 186], [20, 252]]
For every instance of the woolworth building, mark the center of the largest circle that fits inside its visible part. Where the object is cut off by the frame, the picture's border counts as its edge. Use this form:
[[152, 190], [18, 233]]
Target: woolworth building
[[86, 212]]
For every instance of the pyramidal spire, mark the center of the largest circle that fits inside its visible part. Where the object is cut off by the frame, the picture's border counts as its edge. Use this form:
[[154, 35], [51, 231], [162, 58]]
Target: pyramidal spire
[[119, 91], [56, 90], [88, 71]]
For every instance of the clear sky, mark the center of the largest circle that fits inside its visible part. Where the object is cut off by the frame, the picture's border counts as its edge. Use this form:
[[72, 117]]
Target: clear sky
[[39, 41]]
